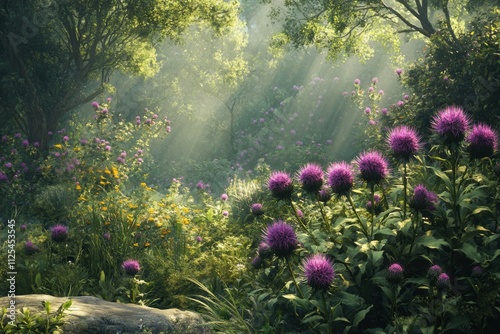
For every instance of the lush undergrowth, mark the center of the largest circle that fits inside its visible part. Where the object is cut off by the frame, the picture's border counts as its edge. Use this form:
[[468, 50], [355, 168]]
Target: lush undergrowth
[[402, 239]]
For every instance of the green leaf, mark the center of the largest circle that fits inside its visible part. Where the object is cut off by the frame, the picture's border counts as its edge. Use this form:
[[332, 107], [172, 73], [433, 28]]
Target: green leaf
[[471, 252], [431, 242], [361, 315]]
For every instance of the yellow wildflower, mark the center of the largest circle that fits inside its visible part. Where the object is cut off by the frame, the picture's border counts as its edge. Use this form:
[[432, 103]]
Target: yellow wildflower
[[147, 244], [58, 146], [136, 244]]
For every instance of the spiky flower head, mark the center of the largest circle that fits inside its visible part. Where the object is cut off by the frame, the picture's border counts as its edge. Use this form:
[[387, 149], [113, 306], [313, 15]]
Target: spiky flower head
[[394, 273], [340, 178], [434, 272], [423, 199], [59, 232], [482, 141], [404, 142], [372, 167], [451, 124], [477, 271], [318, 271], [311, 177], [280, 184], [281, 238], [131, 267], [30, 248], [325, 194], [443, 281], [264, 251], [257, 209]]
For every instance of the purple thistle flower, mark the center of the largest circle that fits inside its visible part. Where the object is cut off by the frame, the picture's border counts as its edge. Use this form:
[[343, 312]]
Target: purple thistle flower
[[451, 124], [107, 236], [325, 194], [403, 142], [257, 262], [200, 185], [26, 143], [318, 271], [257, 209], [443, 281], [30, 248], [311, 177], [423, 199], [477, 271], [280, 185], [482, 141], [372, 167], [23, 227], [224, 197], [264, 250], [225, 213], [340, 178], [4, 177], [394, 273], [131, 267], [281, 238], [59, 232], [434, 272], [357, 81], [95, 104]]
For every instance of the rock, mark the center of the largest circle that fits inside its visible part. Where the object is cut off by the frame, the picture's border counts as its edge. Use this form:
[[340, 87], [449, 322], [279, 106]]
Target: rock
[[93, 315]]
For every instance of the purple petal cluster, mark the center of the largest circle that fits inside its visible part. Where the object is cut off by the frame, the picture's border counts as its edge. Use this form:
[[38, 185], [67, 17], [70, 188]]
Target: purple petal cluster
[[280, 184], [30, 248], [423, 199], [311, 177], [451, 124], [131, 267], [403, 142], [443, 281], [325, 194], [281, 238], [482, 141], [59, 232], [340, 178], [318, 271], [394, 273], [373, 167], [257, 209]]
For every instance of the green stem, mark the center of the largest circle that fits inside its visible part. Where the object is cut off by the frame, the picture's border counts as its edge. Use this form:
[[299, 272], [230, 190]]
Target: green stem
[[372, 209], [414, 223], [364, 229], [325, 221], [302, 223], [293, 278], [327, 312], [405, 187]]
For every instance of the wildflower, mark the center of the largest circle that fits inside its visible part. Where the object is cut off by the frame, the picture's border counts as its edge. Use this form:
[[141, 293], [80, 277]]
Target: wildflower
[[394, 273], [357, 82], [25, 143], [482, 141], [224, 197], [443, 281], [324, 194], [372, 167], [257, 262], [423, 199], [403, 142], [300, 213], [225, 213], [399, 71], [434, 272], [451, 124], [318, 271], [311, 177], [107, 148], [8, 165], [367, 110], [384, 111], [264, 251], [95, 104], [22, 228], [59, 232], [477, 271], [65, 138], [107, 236], [340, 178], [257, 209], [131, 267], [4, 177], [198, 238], [281, 238], [168, 129], [376, 199], [30, 248], [200, 185], [280, 185]]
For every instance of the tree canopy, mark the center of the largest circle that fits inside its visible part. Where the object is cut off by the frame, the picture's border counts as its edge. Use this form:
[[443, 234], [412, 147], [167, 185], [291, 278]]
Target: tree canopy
[[56, 55], [345, 26]]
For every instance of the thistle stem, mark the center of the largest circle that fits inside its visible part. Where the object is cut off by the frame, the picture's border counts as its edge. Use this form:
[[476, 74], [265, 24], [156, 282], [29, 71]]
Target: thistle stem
[[302, 223], [364, 229], [405, 188], [293, 278]]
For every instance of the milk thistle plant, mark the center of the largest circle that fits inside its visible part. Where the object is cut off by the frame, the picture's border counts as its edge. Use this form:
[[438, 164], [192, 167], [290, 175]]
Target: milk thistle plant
[[384, 262]]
